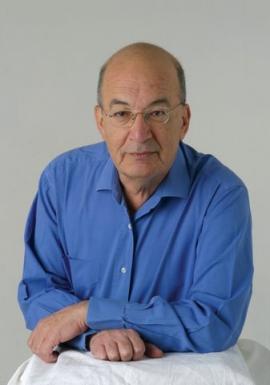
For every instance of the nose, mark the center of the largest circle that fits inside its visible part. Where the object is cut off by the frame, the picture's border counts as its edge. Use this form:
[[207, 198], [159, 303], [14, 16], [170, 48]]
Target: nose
[[140, 131]]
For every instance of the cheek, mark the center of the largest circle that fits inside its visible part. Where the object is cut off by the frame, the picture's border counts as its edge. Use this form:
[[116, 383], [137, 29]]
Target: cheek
[[115, 143], [168, 142]]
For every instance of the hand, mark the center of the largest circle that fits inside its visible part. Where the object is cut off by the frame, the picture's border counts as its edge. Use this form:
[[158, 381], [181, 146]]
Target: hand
[[121, 345], [59, 327]]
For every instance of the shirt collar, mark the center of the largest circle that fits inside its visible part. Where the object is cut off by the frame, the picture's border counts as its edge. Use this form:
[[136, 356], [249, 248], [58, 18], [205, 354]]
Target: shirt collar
[[175, 184], [109, 180]]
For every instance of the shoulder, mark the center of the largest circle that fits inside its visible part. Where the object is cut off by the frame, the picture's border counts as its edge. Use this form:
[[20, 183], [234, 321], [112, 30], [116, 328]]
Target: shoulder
[[214, 186], [92, 153], [81, 160], [206, 169]]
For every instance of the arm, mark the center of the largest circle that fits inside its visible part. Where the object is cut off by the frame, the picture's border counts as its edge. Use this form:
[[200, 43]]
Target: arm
[[51, 310], [46, 287], [211, 316]]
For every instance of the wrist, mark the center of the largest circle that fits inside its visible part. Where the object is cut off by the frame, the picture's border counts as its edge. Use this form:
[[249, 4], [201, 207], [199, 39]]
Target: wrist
[[81, 314], [88, 341]]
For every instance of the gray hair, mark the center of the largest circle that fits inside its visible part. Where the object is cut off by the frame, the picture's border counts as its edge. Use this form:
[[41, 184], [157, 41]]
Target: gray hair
[[178, 67]]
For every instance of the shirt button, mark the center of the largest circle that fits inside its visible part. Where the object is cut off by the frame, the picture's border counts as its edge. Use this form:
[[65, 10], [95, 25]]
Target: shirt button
[[123, 270], [129, 226]]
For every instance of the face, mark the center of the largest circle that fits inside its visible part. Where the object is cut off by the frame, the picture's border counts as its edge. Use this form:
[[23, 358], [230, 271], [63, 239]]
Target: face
[[142, 150]]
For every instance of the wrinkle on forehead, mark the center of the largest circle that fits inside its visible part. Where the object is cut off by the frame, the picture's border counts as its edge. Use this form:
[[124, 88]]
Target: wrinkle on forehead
[[142, 81], [146, 53], [138, 96]]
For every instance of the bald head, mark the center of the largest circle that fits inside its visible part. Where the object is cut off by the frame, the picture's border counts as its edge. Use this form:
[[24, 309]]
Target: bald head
[[142, 52]]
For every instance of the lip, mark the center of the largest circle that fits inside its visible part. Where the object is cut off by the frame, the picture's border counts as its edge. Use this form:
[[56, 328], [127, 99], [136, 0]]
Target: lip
[[142, 155]]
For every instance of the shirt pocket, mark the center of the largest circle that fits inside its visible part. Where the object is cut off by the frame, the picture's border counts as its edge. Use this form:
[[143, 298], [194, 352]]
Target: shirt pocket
[[85, 275]]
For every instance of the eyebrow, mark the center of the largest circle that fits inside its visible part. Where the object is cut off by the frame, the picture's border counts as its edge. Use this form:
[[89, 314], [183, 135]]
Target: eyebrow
[[160, 101], [155, 102], [118, 101]]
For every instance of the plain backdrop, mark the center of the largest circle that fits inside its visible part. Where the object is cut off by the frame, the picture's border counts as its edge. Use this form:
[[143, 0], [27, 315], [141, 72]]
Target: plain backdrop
[[50, 54]]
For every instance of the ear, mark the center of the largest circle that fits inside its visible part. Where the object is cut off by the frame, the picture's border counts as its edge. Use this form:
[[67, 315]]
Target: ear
[[99, 120], [185, 121]]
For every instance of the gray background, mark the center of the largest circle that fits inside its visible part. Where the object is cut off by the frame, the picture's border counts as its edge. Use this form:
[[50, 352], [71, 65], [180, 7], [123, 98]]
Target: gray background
[[50, 54]]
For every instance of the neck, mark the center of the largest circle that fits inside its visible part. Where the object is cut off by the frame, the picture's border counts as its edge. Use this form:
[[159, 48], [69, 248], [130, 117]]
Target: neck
[[138, 191]]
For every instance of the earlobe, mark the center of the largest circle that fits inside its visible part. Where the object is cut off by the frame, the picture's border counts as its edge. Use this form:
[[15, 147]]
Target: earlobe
[[183, 130], [99, 120], [185, 119]]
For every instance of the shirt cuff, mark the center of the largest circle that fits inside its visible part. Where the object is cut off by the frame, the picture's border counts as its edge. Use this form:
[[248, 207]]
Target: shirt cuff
[[105, 314], [81, 342]]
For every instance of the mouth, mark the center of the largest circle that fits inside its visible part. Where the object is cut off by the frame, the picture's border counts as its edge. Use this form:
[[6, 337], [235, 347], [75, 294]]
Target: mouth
[[141, 155]]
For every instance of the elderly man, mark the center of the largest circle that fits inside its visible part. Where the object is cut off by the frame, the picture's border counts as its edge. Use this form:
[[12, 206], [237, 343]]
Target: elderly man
[[138, 244]]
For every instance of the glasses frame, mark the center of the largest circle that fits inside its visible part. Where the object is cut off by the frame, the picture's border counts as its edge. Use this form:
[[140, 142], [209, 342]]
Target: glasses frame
[[145, 115]]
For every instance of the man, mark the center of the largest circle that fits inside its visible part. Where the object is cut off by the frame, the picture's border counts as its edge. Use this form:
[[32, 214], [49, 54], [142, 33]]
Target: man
[[139, 244]]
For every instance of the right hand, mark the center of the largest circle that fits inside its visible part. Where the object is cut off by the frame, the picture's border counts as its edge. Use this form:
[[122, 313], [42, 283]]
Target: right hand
[[121, 345], [58, 327]]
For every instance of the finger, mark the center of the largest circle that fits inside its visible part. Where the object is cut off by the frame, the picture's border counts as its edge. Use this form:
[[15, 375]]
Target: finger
[[153, 351], [46, 352], [34, 339], [125, 349], [49, 358], [112, 351], [35, 342], [138, 344], [30, 341], [99, 351], [44, 349]]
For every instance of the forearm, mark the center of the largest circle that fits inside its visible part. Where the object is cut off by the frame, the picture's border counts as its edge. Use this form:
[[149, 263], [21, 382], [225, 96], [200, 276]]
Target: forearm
[[180, 326], [45, 303]]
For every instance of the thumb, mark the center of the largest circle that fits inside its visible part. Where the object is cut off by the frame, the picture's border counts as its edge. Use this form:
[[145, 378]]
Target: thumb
[[153, 351]]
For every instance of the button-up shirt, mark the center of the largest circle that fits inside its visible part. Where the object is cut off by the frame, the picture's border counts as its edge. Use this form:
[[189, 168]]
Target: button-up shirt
[[178, 271]]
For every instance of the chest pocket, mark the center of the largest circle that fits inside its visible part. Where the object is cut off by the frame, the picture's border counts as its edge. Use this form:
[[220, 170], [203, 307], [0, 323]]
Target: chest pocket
[[85, 274]]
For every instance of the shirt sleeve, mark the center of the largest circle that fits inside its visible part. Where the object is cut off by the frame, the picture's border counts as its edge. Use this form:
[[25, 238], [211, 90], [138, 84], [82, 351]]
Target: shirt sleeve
[[210, 318], [46, 284]]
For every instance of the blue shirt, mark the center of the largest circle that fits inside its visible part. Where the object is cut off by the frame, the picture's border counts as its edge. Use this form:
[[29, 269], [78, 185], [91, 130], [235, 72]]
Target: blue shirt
[[178, 271]]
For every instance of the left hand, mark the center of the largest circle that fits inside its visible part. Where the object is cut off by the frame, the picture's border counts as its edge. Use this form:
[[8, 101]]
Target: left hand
[[121, 345], [59, 327]]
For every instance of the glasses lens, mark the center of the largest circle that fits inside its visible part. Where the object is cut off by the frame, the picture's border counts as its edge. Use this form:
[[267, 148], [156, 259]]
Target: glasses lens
[[158, 116], [120, 117]]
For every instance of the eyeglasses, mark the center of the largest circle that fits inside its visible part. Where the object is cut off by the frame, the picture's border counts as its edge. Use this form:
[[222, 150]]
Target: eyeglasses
[[123, 118]]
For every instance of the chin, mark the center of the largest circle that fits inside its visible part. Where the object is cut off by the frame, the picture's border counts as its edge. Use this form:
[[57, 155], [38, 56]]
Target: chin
[[139, 173]]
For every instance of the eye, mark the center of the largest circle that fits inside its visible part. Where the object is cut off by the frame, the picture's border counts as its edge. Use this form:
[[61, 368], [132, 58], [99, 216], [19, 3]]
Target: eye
[[158, 113], [120, 115]]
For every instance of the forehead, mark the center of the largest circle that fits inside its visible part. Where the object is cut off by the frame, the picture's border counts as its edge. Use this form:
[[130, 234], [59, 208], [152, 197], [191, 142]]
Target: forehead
[[138, 81]]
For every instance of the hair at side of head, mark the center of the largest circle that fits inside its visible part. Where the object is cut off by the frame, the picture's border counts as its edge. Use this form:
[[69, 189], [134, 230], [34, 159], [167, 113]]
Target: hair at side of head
[[142, 47]]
